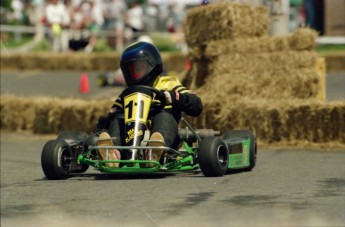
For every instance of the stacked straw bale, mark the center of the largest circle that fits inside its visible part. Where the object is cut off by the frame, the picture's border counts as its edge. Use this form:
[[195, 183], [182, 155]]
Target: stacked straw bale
[[274, 68], [43, 61], [50, 115], [272, 121], [77, 61], [301, 40], [274, 86], [224, 21]]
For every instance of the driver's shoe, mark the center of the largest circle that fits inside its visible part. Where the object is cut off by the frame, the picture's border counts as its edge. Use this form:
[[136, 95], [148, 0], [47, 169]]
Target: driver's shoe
[[156, 140], [113, 154]]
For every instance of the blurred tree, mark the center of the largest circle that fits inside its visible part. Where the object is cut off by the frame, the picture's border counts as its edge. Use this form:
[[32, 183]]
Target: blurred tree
[[5, 4]]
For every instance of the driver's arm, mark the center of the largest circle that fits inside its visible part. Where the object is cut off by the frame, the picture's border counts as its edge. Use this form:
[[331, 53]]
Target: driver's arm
[[183, 100], [116, 108]]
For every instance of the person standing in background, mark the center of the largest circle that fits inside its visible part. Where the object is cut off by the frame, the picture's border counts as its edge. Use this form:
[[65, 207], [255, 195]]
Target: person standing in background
[[151, 15], [114, 20], [57, 18], [17, 6], [135, 19], [93, 20]]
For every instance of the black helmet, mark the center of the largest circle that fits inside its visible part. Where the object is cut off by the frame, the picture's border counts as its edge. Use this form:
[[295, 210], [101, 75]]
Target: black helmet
[[141, 64]]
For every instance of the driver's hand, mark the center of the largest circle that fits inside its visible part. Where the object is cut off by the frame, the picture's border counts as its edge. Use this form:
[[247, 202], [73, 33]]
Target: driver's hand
[[160, 96], [103, 122], [171, 97]]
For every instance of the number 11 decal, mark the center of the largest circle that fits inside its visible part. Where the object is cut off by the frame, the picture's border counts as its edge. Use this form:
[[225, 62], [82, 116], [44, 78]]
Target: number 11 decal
[[140, 108], [137, 107]]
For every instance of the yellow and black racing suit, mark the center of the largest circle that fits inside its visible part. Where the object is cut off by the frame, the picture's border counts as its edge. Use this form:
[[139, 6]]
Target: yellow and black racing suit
[[165, 121]]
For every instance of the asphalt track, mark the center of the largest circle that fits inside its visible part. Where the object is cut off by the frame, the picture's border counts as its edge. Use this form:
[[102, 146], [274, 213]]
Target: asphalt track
[[288, 187], [64, 84]]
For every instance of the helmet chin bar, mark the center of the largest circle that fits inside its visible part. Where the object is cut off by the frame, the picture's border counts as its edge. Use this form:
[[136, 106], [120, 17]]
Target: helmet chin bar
[[149, 79]]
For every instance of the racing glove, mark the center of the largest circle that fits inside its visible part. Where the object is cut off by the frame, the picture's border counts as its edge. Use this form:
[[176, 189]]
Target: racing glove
[[104, 121], [172, 97], [186, 102]]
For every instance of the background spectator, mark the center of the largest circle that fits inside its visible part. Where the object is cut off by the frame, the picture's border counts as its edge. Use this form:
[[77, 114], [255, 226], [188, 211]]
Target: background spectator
[[57, 18], [92, 20], [151, 14], [135, 19], [17, 7], [114, 14]]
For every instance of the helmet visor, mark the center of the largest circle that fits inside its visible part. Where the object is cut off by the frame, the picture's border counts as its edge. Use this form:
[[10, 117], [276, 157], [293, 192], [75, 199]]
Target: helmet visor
[[136, 70]]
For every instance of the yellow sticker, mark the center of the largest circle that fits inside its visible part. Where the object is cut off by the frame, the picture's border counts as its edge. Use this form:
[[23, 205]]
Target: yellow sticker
[[131, 135], [137, 107]]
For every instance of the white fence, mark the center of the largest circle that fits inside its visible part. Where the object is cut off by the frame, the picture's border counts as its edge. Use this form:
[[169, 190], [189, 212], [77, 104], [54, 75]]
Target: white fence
[[17, 29]]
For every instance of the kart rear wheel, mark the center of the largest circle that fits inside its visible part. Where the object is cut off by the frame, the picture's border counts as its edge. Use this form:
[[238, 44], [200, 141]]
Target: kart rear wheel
[[75, 135], [56, 159], [213, 157], [253, 147]]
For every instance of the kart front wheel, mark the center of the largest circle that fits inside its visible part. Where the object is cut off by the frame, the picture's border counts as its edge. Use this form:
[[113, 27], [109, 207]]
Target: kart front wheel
[[56, 159], [213, 157], [75, 135]]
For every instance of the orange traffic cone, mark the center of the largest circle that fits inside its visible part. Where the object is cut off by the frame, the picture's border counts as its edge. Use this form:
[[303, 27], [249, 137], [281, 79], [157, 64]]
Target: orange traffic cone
[[84, 84], [188, 65]]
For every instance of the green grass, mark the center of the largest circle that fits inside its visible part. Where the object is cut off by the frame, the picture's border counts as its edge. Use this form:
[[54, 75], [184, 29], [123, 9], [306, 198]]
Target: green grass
[[326, 48], [10, 42], [164, 43], [43, 46]]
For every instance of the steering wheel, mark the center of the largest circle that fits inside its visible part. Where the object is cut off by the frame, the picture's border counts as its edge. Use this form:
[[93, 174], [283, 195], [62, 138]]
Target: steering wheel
[[159, 95]]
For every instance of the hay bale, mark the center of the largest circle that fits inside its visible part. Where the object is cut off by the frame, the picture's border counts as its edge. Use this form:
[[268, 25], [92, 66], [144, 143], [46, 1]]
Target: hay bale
[[321, 72], [303, 39], [174, 61], [225, 21], [271, 120], [68, 114], [335, 61], [294, 74], [50, 115], [260, 62], [265, 84], [16, 113], [275, 121], [60, 61], [78, 61], [274, 83]]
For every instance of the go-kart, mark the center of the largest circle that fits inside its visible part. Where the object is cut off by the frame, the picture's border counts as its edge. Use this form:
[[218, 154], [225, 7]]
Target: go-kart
[[200, 149], [111, 79]]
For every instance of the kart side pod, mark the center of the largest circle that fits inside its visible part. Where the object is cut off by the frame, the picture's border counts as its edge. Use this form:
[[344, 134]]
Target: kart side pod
[[235, 151], [241, 145]]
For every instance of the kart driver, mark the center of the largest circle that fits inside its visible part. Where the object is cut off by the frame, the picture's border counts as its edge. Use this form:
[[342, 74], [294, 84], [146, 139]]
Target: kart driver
[[141, 64]]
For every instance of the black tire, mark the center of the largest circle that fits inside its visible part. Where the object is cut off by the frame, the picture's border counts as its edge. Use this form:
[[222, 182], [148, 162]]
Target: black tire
[[101, 81], [56, 159], [253, 147], [213, 157], [75, 135]]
